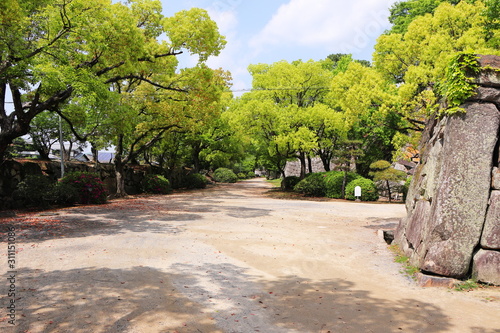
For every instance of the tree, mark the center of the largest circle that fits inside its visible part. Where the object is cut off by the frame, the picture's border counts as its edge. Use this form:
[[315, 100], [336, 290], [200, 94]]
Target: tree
[[402, 13], [53, 52], [382, 171]]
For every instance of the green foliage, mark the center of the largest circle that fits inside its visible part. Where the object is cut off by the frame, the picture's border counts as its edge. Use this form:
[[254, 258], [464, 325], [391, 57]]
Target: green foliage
[[313, 185], [290, 182], [458, 85], [40, 191], [334, 181], [89, 186], [251, 174], [400, 258], [225, 175], [64, 194], [194, 180], [468, 285], [369, 191], [35, 191], [241, 175], [156, 184]]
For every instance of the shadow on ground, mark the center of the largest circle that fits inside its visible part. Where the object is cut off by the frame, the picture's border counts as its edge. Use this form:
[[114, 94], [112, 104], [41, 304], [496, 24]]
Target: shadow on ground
[[157, 214], [208, 298], [293, 304]]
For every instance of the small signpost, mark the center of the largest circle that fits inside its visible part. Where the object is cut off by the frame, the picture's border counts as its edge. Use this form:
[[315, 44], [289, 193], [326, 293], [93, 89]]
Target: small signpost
[[357, 193]]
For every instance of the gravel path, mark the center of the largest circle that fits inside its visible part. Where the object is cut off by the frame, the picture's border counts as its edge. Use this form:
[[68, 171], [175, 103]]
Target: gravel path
[[225, 259]]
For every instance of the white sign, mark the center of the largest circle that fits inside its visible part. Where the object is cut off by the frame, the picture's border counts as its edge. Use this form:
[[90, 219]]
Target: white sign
[[357, 191]]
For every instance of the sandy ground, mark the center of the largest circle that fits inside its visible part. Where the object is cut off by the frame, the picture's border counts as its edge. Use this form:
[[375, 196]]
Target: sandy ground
[[226, 259]]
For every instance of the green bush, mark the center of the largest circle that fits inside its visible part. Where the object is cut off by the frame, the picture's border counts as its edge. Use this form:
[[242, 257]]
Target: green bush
[[156, 184], [241, 175], [65, 194], [334, 180], [369, 191], [224, 175], [88, 185], [34, 191], [313, 185], [290, 182], [251, 174], [194, 180]]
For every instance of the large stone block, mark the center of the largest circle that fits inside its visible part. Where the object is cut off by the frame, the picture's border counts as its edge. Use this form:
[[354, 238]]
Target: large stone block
[[489, 76], [487, 94], [491, 232], [462, 195], [486, 267]]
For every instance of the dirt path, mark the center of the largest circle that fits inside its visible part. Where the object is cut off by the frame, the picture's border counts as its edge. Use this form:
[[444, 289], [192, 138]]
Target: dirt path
[[226, 259]]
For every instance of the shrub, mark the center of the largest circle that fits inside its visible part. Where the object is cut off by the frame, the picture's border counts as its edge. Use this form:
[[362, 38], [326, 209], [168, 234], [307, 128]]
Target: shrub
[[34, 191], [369, 191], [334, 180], [251, 174], [241, 175], [224, 175], [290, 182], [156, 184], [194, 180], [65, 194], [313, 185], [88, 185]]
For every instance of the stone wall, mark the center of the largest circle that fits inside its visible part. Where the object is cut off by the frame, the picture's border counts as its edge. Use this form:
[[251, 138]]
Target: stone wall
[[14, 171], [453, 223], [292, 168]]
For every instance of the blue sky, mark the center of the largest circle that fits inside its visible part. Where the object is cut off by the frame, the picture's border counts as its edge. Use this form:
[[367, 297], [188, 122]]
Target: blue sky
[[267, 31]]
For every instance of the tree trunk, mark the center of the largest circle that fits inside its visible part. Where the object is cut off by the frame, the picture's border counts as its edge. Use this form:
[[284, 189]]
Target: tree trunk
[[119, 169], [325, 160], [389, 190], [309, 162], [302, 158]]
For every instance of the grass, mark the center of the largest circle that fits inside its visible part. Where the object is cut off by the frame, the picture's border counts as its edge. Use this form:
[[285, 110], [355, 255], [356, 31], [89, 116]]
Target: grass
[[275, 182], [468, 285], [408, 269]]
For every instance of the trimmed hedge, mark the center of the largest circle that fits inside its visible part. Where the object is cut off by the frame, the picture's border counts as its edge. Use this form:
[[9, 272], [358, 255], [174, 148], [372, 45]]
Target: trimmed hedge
[[194, 180], [313, 185], [333, 183], [290, 182], [225, 175], [156, 184], [369, 191]]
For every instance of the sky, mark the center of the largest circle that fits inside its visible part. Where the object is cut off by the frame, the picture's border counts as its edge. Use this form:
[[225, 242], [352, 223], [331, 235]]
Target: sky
[[267, 31]]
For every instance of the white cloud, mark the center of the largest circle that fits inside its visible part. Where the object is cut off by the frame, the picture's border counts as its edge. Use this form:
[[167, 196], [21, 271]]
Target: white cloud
[[325, 23]]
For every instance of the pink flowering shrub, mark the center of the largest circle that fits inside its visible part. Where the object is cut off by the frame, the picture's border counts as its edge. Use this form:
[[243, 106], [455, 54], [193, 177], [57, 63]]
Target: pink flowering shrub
[[89, 186]]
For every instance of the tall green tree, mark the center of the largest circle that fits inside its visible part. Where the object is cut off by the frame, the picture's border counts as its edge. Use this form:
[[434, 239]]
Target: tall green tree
[[55, 52]]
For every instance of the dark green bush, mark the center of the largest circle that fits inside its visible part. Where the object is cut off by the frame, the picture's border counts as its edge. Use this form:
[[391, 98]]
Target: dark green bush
[[290, 182], [156, 184], [313, 185], [224, 175], [65, 194], [369, 191], [34, 191], [89, 186], [334, 180], [251, 174], [194, 180]]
